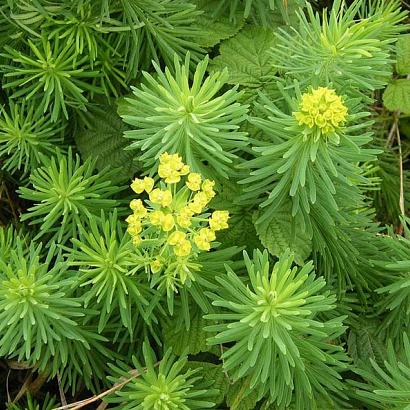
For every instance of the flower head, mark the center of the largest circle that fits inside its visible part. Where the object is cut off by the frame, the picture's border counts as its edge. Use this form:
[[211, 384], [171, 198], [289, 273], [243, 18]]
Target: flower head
[[172, 222], [160, 197], [199, 202], [219, 220], [204, 238], [208, 188], [322, 109], [156, 265], [194, 181], [141, 185], [184, 217], [138, 207], [171, 168]]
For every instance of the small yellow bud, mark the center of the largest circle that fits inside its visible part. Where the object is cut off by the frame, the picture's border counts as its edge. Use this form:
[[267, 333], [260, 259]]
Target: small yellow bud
[[156, 217], [171, 168], [183, 248], [166, 198], [138, 207], [209, 234], [184, 170], [194, 181], [167, 222], [155, 266], [167, 172], [219, 220], [171, 159], [199, 202], [184, 217], [155, 196], [148, 184], [141, 185], [137, 186], [134, 229], [208, 188], [133, 219], [136, 240], [176, 237], [159, 197], [202, 243], [203, 239]]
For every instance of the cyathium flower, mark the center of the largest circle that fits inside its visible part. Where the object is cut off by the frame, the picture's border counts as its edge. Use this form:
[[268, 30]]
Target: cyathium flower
[[322, 111], [172, 226]]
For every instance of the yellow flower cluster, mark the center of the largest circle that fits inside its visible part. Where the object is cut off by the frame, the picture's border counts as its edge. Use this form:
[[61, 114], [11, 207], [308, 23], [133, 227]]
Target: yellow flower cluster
[[321, 108], [174, 214], [171, 168]]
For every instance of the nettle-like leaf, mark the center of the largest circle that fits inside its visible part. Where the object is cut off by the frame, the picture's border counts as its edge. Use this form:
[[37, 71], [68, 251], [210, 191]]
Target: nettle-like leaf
[[26, 135], [174, 114], [101, 138], [213, 374], [274, 335], [64, 191], [242, 231], [354, 55], [50, 73], [191, 341], [396, 96], [386, 386], [283, 232], [168, 386], [214, 29], [247, 57], [365, 342], [259, 10], [403, 54], [240, 397]]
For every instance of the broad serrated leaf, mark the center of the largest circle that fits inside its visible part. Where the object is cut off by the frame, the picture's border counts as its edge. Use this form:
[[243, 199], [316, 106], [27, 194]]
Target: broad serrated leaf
[[364, 342], [396, 97], [214, 30], [239, 397], [241, 231], [191, 341], [247, 57], [403, 54], [213, 372], [282, 233], [102, 138]]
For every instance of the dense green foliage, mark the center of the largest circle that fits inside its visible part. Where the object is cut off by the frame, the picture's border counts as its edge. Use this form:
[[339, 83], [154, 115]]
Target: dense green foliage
[[204, 204]]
